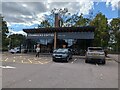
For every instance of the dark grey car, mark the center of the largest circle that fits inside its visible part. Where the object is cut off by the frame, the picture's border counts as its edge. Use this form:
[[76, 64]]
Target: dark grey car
[[62, 54]]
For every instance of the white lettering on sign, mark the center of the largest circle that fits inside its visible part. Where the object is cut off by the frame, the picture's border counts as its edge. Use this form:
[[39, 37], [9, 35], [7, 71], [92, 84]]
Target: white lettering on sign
[[42, 35]]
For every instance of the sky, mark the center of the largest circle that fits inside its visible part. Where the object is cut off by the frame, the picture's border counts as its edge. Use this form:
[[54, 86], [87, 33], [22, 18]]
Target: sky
[[21, 15]]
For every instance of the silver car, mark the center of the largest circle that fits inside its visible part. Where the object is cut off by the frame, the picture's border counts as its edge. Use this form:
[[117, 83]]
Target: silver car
[[62, 54], [95, 54]]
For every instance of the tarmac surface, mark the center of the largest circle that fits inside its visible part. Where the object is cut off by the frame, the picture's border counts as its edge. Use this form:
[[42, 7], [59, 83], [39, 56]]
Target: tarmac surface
[[27, 71]]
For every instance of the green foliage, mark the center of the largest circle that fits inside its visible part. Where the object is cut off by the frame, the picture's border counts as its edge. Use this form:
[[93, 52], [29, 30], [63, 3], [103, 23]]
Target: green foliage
[[4, 30], [44, 23], [82, 21], [115, 27], [16, 40], [77, 21], [102, 30]]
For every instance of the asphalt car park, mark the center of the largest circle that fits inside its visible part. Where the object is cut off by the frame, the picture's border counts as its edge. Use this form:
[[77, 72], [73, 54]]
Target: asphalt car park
[[43, 59], [28, 71], [8, 58]]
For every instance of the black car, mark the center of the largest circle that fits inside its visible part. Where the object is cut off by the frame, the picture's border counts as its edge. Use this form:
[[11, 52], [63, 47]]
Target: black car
[[62, 54]]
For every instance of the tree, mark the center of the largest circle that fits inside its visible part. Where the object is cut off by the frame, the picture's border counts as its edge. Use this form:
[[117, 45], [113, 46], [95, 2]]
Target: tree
[[5, 40], [102, 30], [44, 23], [115, 32], [117, 35], [72, 20], [82, 21], [16, 40]]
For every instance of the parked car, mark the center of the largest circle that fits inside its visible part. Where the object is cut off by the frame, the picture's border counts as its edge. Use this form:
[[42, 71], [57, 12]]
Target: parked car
[[95, 54], [62, 54], [15, 50]]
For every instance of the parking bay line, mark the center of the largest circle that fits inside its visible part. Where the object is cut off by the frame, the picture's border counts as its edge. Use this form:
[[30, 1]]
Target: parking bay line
[[40, 62], [74, 60], [13, 60], [30, 61], [6, 59], [24, 62], [48, 62]]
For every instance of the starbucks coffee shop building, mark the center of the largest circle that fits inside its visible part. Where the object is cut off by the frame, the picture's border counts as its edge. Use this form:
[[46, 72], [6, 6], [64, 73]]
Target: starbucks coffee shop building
[[76, 38]]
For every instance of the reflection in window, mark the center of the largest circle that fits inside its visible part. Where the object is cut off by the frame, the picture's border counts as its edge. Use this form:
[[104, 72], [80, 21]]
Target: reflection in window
[[70, 42]]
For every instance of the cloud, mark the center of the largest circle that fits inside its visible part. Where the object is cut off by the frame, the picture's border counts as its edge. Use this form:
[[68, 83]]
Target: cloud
[[109, 20], [20, 12], [30, 12], [113, 3], [26, 12], [81, 6]]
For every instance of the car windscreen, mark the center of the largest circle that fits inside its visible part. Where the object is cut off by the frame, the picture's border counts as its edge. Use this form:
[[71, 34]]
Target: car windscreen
[[95, 49], [61, 51]]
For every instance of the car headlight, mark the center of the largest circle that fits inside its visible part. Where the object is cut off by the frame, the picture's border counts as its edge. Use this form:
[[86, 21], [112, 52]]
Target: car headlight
[[53, 55]]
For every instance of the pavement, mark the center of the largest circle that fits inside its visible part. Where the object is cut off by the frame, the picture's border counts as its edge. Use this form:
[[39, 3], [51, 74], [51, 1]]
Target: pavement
[[115, 57]]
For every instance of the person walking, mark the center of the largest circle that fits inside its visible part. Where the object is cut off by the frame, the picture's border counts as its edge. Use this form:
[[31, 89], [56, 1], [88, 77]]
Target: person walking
[[37, 50]]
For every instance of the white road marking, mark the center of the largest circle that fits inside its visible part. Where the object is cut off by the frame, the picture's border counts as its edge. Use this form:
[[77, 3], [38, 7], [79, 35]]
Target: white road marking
[[47, 62], [30, 61], [29, 80], [13, 60], [40, 62], [96, 64], [22, 61], [6, 59], [8, 67], [74, 61]]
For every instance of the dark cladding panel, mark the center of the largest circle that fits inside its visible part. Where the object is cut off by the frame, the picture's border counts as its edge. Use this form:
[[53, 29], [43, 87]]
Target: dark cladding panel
[[76, 35]]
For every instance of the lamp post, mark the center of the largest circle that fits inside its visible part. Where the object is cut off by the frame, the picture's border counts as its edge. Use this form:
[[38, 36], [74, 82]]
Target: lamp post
[[57, 13]]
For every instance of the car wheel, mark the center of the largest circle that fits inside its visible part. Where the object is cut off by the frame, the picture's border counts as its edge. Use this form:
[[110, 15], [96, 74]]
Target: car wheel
[[86, 61], [54, 60], [12, 52], [103, 62], [67, 59], [71, 57]]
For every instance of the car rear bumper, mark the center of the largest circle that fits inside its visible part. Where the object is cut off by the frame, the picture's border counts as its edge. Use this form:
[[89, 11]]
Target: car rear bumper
[[59, 59], [96, 60], [95, 57]]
